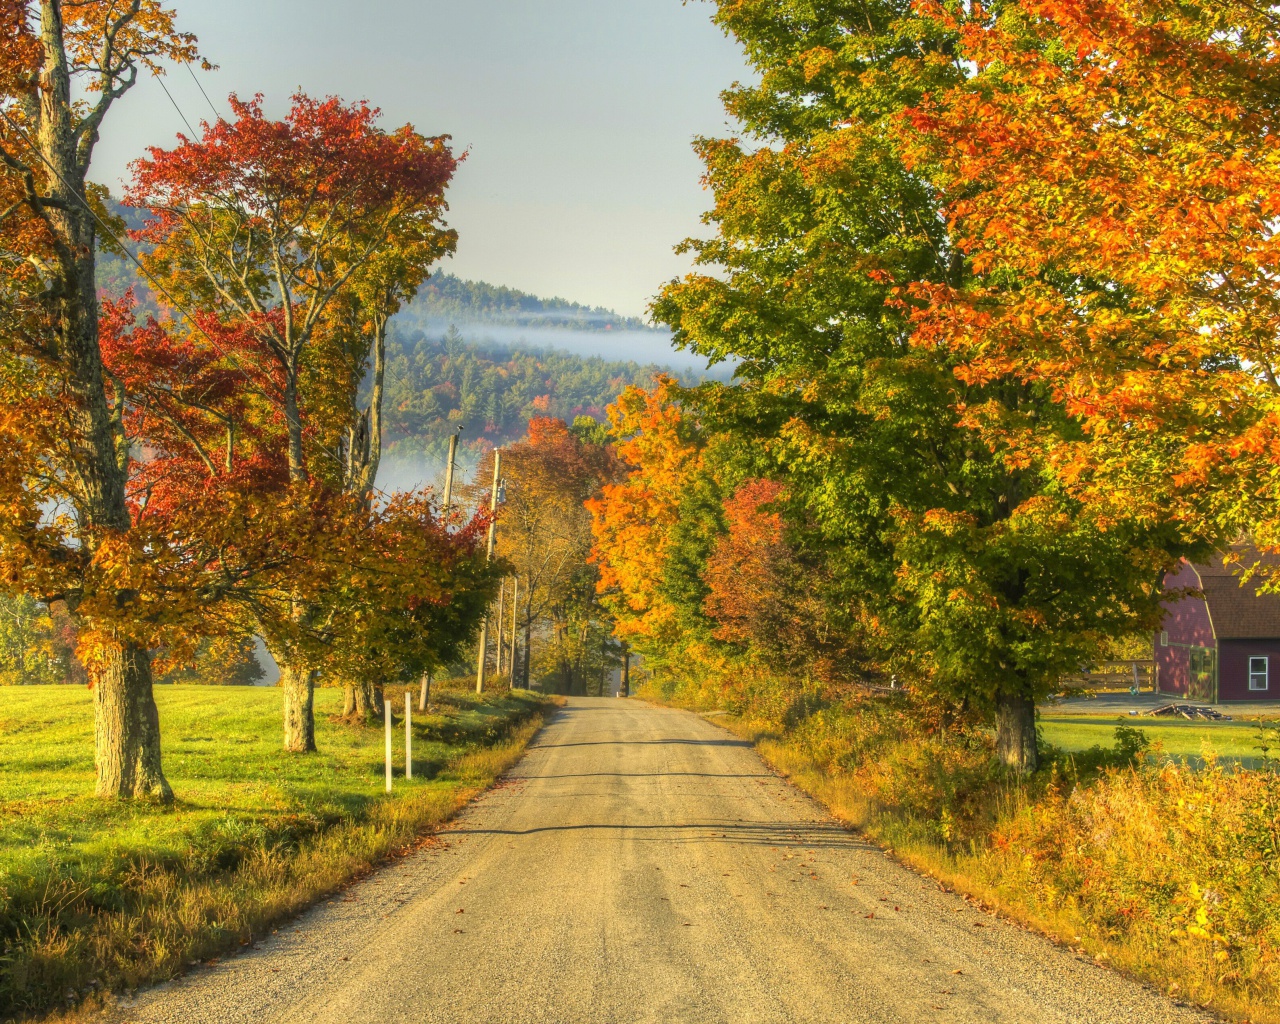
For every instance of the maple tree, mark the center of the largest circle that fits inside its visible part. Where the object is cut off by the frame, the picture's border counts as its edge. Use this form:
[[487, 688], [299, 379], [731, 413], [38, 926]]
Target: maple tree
[[1109, 172], [63, 67], [983, 576], [633, 519], [293, 242]]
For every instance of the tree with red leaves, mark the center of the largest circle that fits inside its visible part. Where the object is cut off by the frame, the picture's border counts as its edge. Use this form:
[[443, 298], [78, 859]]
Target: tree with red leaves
[[291, 242]]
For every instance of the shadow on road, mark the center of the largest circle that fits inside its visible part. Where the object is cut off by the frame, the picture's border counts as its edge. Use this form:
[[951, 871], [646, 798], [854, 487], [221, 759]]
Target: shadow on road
[[653, 775], [804, 834], [644, 743]]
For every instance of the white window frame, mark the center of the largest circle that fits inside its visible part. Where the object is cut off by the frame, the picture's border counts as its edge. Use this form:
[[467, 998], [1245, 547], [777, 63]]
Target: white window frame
[[1254, 673]]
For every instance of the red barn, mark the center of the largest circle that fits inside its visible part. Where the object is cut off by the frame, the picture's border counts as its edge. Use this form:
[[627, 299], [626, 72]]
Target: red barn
[[1222, 644]]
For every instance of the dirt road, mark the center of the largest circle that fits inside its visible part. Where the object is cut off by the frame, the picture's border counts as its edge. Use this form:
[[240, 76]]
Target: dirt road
[[643, 865]]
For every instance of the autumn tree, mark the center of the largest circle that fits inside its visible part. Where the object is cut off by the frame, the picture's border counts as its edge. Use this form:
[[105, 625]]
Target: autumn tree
[[634, 518], [544, 534], [992, 578], [1109, 171], [63, 67], [292, 242]]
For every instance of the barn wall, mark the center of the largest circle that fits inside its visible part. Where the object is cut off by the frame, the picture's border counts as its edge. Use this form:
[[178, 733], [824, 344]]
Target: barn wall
[[1186, 620], [1233, 669]]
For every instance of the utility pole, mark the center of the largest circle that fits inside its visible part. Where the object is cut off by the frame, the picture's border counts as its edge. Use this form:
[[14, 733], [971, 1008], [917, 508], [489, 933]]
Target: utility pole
[[424, 695], [493, 524], [448, 474], [515, 617], [502, 604]]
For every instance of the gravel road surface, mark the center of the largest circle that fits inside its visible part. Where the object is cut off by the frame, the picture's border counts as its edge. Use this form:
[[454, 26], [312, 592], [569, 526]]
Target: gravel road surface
[[640, 864]]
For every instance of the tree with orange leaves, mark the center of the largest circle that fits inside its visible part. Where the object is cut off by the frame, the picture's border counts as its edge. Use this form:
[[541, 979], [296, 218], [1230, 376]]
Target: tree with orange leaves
[[987, 576], [633, 520], [1111, 174], [63, 66]]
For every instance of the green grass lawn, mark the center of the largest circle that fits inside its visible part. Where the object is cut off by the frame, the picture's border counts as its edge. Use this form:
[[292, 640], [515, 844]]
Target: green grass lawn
[[109, 894], [1235, 741]]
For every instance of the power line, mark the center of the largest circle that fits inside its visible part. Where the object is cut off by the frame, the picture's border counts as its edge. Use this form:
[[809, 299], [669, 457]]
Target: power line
[[200, 86], [160, 79]]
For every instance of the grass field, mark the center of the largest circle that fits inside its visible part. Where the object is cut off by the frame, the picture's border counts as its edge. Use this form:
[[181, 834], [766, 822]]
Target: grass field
[[1229, 741], [98, 895]]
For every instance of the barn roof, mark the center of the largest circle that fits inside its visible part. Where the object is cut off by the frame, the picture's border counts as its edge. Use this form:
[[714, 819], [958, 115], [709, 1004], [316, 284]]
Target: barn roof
[[1236, 608]]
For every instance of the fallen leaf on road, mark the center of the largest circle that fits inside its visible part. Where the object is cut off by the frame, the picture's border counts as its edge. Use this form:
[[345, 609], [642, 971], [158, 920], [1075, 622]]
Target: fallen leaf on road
[[459, 911], [872, 914], [957, 972]]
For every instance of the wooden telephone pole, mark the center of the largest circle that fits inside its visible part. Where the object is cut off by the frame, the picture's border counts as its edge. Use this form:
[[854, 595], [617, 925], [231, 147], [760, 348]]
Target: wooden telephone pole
[[424, 695], [493, 524], [515, 618]]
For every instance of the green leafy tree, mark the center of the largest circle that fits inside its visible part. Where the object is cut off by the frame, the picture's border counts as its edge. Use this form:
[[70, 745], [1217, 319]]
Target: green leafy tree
[[986, 578], [28, 649]]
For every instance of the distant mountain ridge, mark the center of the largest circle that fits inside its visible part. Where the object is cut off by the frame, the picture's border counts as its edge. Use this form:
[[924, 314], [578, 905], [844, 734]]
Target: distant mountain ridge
[[446, 299]]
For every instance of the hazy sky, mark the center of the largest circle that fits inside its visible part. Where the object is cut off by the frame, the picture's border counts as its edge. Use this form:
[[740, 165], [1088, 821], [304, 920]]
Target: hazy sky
[[578, 115]]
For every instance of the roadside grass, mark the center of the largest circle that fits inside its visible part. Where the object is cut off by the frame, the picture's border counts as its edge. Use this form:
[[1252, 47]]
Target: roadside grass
[[98, 896], [1167, 868]]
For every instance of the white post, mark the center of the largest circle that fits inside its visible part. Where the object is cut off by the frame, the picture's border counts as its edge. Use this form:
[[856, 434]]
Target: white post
[[408, 739], [387, 706]]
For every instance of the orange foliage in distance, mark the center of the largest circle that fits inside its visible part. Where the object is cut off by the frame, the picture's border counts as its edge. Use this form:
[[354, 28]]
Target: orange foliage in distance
[[631, 520]]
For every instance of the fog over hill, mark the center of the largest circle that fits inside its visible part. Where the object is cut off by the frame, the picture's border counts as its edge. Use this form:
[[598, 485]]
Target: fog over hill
[[486, 359]]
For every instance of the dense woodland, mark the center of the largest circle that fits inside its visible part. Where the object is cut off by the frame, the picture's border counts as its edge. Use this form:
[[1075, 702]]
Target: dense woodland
[[438, 384]]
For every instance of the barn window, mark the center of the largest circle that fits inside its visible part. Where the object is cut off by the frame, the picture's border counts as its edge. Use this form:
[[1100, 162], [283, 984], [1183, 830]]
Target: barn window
[[1257, 673]]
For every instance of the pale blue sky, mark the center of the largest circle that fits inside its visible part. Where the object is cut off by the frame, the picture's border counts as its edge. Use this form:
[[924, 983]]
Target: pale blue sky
[[578, 114]]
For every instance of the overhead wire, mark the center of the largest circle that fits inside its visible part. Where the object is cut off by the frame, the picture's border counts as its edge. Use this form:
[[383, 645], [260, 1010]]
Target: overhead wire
[[199, 85]]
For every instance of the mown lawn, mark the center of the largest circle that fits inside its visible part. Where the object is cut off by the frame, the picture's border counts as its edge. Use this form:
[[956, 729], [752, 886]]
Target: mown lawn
[[98, 895], [1229, 741]]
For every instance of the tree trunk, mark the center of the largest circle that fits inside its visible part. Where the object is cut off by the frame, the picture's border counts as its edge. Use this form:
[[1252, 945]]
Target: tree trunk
[[368, 700], [293, 425], [1016, 732], [527, 667], [298, 685], [348, 700], [127, 726]]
